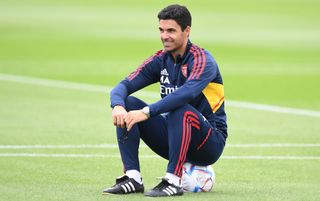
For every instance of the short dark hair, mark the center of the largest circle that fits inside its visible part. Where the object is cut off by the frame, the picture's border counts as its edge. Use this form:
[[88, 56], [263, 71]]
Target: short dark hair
[[178, 13]]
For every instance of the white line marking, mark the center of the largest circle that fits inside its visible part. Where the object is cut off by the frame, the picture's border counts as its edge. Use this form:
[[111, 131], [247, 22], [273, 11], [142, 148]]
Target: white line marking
[[107, 89], [272, 108], [115, 146], [154, 156], [273, 157], [70, 155], [271, 145], [64, 146], [67, 85]]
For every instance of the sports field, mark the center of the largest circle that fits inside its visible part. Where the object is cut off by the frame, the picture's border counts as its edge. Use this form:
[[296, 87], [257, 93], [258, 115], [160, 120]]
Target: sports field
[[59, 60]]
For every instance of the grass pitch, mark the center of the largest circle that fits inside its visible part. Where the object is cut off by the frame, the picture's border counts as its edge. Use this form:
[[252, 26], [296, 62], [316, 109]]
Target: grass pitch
[[268, 52]]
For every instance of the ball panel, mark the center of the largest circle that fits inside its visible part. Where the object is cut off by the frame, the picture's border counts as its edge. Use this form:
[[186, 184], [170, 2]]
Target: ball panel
[[197, 178]]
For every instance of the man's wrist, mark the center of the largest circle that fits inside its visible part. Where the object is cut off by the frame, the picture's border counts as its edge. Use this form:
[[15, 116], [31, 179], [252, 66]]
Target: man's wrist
[[117, 105], [146, 111]]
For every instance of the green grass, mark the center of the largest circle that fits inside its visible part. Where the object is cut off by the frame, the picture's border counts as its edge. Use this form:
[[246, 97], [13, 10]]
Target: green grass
[[268, 52]]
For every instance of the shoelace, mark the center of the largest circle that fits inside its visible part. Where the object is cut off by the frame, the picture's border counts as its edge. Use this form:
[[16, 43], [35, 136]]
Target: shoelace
[[161, 185], [120, 181], [123, 182]]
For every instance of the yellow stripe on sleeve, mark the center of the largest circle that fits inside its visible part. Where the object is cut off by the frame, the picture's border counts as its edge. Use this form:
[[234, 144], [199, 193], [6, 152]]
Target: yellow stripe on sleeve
[[214, 93]]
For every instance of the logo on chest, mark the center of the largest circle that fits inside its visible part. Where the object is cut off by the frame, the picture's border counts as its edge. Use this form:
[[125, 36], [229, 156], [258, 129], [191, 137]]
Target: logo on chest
[[164, 79], [165, 85], [184, 70]]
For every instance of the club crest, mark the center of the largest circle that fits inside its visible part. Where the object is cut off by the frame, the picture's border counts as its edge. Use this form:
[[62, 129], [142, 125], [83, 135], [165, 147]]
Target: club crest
[[184, 69]]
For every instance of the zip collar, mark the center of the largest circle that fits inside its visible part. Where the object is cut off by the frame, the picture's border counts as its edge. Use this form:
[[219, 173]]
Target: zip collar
[[180, 58]]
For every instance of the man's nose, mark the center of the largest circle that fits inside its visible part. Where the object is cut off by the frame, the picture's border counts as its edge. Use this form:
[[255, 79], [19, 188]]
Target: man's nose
[[164, 36]]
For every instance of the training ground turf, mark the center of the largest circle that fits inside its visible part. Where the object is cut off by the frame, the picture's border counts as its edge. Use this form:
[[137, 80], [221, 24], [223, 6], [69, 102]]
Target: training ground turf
[[59, 60]]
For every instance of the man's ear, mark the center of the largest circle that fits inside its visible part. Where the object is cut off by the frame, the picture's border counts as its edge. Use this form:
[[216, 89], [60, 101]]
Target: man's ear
[[187, 31]]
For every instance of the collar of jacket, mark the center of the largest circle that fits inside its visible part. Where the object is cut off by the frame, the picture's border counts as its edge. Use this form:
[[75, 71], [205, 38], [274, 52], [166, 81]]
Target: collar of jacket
[[180, 58]]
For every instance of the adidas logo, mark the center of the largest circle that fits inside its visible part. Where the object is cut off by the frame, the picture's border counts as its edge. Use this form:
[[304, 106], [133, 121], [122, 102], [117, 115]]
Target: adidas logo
[[170, 190], [164, 72], [128, 187]]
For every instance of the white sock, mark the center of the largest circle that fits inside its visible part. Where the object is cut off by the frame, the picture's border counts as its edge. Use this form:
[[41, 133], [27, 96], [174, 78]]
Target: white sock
[[135, 174], [173, 179]]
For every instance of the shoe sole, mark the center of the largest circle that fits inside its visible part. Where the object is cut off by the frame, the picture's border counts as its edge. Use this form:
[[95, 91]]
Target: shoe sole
[[120, 193], [162, 195], [110, 194]]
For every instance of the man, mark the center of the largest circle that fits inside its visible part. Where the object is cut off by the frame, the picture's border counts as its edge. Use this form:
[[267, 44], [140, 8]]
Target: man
[[187, 125]]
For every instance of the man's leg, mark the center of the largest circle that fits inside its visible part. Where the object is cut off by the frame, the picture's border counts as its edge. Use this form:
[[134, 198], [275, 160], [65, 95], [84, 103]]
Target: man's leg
[[187, 131], [153, 132], [191, 138], [206, 150]]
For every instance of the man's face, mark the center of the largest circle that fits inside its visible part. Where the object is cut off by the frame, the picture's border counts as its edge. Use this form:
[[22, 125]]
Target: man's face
[[172, 37]]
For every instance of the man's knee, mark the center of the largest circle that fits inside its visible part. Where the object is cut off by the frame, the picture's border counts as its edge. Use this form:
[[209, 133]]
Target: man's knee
[[133, 103], [182, 111]]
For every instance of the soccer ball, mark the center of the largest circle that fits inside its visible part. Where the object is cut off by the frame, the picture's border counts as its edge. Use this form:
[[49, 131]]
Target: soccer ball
[[197, 178]]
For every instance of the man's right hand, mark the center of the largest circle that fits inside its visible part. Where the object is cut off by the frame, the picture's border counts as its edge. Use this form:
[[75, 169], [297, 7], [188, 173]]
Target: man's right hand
[[118, 114]]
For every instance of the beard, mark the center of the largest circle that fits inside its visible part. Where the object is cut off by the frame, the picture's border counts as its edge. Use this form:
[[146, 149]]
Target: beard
[[171, 46]]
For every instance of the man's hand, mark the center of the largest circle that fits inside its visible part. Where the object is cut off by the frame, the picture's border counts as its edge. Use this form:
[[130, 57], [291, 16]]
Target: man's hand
[[133, 117], [118, 114]]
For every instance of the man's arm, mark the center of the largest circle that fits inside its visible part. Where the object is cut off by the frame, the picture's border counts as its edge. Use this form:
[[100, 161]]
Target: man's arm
[[187, 92], [145, 75]]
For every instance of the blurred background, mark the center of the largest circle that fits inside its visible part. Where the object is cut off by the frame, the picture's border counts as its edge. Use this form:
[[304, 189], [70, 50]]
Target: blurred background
[[268, 51], [59, 60]]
